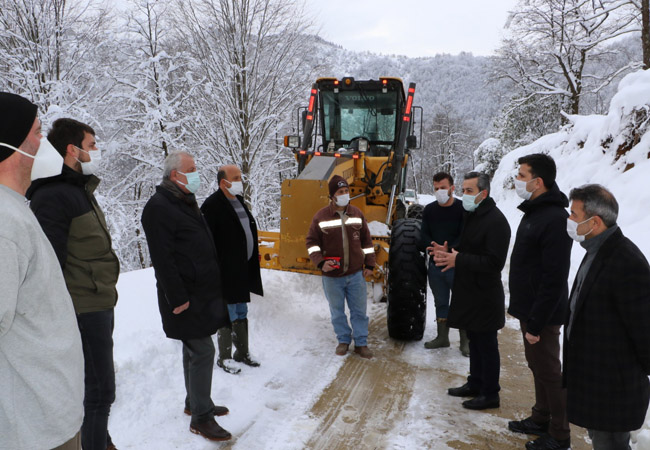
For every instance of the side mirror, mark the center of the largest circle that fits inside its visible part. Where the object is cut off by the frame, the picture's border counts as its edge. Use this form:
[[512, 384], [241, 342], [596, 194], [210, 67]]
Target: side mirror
[[411, 141]]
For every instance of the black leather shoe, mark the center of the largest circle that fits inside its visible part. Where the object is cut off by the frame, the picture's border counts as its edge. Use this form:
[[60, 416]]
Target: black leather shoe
[[217, 411], [464, 391], [482, 402], [527, 426], [547, 442], [211, 430]]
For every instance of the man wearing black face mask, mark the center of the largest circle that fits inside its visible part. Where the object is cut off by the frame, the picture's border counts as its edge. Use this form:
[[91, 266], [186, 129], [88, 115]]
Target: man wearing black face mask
[[74, 223]]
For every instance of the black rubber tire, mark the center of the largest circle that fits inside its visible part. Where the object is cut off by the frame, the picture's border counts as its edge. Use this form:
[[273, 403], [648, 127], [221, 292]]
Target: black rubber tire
[[415, 211], [407, 283]]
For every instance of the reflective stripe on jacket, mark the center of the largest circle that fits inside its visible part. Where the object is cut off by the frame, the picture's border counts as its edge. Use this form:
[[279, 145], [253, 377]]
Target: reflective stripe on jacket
[[343, 235]]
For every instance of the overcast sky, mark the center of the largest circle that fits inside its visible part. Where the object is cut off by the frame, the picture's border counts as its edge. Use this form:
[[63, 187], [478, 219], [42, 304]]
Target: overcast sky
[[412, 27]]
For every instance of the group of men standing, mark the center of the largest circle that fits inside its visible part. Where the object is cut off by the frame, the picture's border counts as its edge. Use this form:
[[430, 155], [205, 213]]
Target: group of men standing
[[602, 384], [59, 283]]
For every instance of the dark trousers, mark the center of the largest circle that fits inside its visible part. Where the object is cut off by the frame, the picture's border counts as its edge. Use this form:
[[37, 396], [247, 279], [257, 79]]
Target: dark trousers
[[609, 440], [550, 397], [484, 362], [96, 329], [198, 364]]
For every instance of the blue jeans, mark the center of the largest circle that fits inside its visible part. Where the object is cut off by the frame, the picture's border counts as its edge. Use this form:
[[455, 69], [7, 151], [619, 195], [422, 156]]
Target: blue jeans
[[237, 311], [441, 283], [353, 289], [96, 329], [609, 440]]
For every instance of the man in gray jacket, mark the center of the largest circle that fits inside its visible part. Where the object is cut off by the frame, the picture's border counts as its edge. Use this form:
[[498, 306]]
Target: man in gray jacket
[[41, 361]]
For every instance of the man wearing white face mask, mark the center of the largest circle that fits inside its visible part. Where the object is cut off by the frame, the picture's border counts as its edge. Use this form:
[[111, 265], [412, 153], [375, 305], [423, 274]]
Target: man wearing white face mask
[[607, 337], [539, 269], [74, 223], [442, 222], [41, 359], [339, 244], [235, 235]]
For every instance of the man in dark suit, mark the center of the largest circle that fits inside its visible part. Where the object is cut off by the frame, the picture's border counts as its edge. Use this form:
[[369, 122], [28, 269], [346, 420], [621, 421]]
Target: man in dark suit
[[478, 303], [235, 236], [189, 286], [607, 337]]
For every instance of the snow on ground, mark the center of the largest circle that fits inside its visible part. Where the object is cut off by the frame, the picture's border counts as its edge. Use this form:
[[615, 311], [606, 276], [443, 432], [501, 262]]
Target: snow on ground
[[290, 334]]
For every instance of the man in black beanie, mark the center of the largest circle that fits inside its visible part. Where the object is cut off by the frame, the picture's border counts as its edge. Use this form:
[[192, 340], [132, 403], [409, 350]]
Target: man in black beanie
[[339, 244], [41, 361]]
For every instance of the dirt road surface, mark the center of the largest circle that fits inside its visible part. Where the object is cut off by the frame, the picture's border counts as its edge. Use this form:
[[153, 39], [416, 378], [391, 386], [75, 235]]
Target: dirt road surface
[[391, 399]]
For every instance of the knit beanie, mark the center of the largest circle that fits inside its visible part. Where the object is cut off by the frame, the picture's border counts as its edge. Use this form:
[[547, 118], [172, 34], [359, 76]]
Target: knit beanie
[[337, 182], [17, 116]]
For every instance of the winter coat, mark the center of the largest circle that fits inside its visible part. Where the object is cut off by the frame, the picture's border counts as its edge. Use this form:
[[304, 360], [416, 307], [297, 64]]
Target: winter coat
[[72, 220], [478, 301], [325, 240], [607, 355], [186, 266], [540, 261], [241, 274]]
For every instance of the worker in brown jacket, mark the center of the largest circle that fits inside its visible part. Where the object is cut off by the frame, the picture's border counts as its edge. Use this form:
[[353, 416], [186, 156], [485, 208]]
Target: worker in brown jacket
[[340, 245]]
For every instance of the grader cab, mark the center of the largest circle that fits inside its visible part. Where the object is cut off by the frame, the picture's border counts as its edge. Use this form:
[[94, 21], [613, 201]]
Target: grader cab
[[363, 131]]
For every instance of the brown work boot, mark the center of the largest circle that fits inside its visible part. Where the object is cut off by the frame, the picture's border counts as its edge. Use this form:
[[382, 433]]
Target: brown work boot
[[211, 430], [342, 348], [363, 351]]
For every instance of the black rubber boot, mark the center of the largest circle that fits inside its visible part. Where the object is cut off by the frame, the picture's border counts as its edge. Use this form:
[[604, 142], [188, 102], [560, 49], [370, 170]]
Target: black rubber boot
[[240, 339], [225, 361]]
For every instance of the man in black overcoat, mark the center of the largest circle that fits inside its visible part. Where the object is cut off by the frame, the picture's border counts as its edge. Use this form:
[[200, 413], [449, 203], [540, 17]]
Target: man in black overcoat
[[607, 336], [478, 303], [539, 270], [189, 286], [235, 236]]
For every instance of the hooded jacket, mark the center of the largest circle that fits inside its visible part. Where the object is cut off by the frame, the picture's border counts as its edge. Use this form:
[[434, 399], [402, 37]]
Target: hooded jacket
[[540, 261], [72, 220]]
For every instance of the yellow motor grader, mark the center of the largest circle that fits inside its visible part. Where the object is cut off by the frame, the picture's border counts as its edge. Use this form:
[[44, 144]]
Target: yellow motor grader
[[363, 131]]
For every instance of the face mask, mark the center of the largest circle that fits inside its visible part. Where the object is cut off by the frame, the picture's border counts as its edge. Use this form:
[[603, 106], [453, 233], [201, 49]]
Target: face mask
[[442, 196], [92, 166], [342, 200], [572, 229], [520, 189], [193, 181], [468, 202], [47, 162], [236, 187]]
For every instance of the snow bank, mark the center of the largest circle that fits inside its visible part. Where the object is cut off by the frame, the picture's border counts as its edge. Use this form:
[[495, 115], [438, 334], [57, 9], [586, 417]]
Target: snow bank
[[585, 151]]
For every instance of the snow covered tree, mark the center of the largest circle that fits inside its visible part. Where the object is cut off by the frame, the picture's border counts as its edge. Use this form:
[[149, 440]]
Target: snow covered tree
[[488, 156], [551, 42], [48, 54], [252, 55]]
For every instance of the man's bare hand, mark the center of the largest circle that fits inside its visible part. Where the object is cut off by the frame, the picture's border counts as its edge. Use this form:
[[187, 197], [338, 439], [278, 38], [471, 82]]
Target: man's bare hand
[[367, 273], [532, 339], [181, 308], [437, 247], [444, 259], [329, 266]]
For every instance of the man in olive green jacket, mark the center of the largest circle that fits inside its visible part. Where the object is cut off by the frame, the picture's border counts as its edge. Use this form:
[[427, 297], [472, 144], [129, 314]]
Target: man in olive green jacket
[[75, 225]]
